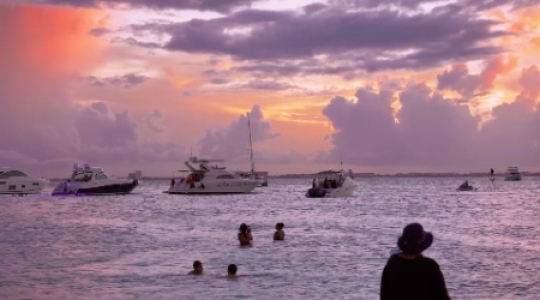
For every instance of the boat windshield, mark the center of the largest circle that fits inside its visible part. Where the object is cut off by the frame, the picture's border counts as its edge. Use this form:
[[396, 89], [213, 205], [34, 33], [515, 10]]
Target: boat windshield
[[12, 173], [101, 175], [81, 176]]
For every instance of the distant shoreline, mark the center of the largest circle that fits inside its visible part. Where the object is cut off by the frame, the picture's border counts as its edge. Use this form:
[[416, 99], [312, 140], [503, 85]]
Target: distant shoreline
[[368, 175]]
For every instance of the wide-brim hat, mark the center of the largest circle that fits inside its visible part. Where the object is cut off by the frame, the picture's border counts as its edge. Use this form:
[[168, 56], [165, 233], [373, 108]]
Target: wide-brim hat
[[414, 239]]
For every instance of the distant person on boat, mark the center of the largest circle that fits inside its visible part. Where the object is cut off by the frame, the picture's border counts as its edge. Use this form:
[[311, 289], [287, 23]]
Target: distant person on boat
[[173, 182], [492, 174], [244, 236], [231, 270], [279, 235], [197, 268], [410, 275]]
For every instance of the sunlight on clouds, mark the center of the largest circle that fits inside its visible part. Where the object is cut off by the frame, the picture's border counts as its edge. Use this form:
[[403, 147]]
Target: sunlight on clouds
[[182, 81], [278, 5], [238, 31]]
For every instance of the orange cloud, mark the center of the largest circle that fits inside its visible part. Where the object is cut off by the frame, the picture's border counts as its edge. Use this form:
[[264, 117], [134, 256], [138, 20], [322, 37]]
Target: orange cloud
[[527, 20], [495, 68], [55, 38]]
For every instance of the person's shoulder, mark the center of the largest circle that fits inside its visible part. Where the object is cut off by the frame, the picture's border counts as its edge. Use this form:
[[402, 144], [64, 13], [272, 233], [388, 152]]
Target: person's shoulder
[[430, 261]]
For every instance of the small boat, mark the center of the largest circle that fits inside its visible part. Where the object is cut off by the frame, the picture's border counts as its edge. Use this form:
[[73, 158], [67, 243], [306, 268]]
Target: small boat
[[89, 180], [512, 174], [465, 187], [205, 178], [332, 184], [16, 182]]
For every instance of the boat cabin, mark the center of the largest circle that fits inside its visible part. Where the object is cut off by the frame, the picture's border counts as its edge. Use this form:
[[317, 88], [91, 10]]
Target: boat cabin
[[87, 173], [9, 173]]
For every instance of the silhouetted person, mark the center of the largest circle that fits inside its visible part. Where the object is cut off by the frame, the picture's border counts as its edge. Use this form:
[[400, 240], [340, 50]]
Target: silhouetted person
[[279, 235], [409, 274], [197, 268], [244, 236], [231, 270]]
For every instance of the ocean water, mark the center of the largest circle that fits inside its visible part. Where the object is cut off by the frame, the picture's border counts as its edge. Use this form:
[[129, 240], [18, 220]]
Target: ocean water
[[140, 246]]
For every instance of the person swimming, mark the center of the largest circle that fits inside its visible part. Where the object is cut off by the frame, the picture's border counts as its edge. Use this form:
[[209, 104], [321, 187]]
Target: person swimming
[[197, 268], [279, 235], [244, 236], [231, 270]]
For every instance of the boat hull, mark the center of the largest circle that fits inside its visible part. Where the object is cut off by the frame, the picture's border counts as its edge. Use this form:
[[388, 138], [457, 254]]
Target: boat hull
[[513, 177], [23, 186], [112, 188], [244, 186]]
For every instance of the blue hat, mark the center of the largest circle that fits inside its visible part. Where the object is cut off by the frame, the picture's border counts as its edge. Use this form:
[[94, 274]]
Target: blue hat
[[414, 239]]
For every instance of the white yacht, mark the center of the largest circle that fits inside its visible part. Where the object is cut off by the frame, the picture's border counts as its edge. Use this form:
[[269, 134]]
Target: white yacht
[[332, 184], [89, 180], [205, 178], [13, 182], [512, 174]]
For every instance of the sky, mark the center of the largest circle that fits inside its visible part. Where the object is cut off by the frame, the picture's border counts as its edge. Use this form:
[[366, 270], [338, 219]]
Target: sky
[[372, 85]]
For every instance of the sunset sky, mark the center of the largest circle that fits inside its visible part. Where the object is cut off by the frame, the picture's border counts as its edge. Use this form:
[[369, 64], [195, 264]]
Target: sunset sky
[[383, 86]]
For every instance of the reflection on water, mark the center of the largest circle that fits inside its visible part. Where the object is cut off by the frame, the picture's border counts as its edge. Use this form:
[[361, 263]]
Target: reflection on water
[[140, 246]]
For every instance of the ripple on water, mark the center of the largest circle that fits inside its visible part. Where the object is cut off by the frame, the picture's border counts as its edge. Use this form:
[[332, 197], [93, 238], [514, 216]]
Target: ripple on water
[[140, 246]]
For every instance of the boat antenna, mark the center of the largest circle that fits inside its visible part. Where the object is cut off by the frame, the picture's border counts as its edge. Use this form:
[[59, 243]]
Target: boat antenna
[[250, 146]]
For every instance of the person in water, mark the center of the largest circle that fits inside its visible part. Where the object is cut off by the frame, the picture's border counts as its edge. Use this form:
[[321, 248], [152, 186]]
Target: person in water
[[197, 268], [410, 275], [279, 235], [244, 236], [231, 270]]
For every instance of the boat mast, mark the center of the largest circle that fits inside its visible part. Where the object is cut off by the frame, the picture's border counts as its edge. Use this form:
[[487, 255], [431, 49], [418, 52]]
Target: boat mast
[[251, 147]]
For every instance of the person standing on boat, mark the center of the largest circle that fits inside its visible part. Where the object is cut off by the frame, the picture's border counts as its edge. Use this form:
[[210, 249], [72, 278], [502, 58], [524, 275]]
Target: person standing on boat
[[410, 275], [492, 174]]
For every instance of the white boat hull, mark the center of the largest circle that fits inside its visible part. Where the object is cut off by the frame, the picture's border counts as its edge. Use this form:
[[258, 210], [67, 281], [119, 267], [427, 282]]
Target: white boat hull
[[229, 187], [345, 190], [512, 177], [22, 185]]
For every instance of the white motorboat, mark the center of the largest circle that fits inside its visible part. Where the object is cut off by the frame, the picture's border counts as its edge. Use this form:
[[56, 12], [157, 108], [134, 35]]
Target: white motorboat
[[14, 181], [89, 180], [512, 174], [205, 178], [332, 184]]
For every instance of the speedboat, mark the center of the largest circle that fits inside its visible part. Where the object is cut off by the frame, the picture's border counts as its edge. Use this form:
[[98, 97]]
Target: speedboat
[[14, 181], [89, 180], [512, 174], [205, 178], [332, 184], [465, 187]]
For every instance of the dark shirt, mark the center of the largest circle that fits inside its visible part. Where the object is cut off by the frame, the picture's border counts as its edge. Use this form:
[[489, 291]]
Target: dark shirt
[[419, 279]]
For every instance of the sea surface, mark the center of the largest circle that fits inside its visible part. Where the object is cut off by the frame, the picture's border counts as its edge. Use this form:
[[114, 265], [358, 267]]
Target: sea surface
[[140, 246]]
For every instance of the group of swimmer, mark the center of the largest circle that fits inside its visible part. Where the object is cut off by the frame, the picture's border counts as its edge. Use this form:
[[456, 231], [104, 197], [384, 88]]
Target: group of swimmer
[[244, 238], [407, 274]]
